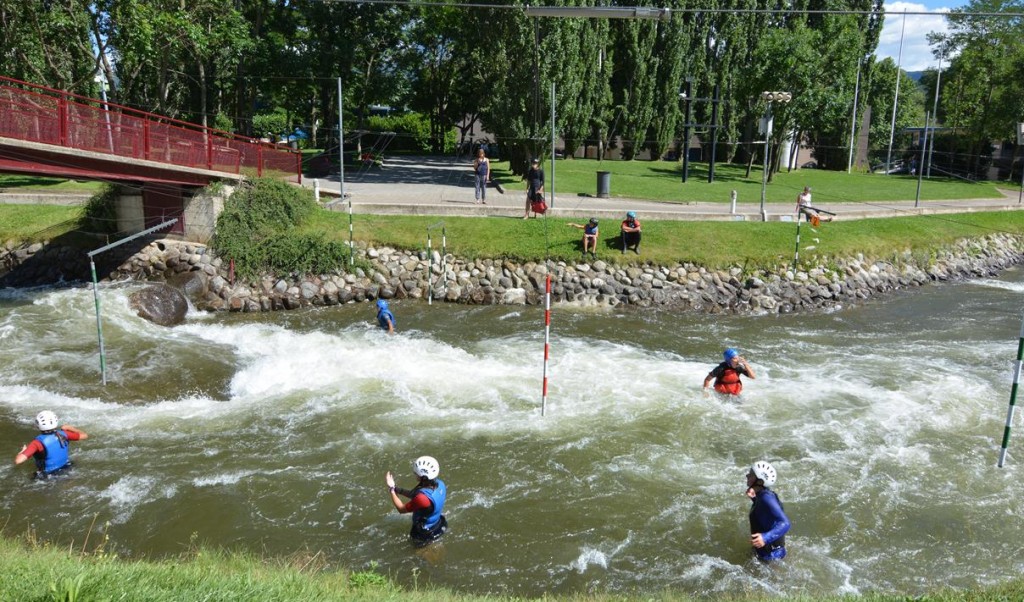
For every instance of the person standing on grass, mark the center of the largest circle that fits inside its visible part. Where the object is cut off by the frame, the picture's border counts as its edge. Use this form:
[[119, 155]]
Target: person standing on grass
[[534, 185], [803, 206], [481, 175]]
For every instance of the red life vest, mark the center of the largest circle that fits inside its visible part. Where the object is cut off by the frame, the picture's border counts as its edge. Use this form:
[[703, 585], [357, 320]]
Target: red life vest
[[729, 382]]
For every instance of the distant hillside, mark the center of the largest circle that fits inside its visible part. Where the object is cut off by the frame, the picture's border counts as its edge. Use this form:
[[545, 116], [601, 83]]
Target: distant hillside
[[915, 75]]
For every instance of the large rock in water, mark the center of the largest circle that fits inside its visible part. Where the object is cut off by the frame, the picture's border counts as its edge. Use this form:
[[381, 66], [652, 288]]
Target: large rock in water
[[160, 304]]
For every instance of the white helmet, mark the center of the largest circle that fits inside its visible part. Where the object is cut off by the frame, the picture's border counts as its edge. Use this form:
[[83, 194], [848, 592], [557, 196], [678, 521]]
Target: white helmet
[[426, 466], [765, 472], [46, 420]]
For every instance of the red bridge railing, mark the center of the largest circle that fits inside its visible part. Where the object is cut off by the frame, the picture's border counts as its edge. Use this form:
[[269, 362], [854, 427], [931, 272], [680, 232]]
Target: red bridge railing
[[40, 114]]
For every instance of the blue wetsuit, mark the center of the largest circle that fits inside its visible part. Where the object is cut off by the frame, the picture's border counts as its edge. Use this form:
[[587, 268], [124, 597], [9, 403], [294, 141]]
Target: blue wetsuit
[[768, 518], [383, 317]]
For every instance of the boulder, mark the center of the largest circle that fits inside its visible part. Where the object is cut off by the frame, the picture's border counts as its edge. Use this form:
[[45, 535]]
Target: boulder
[[160, 304]]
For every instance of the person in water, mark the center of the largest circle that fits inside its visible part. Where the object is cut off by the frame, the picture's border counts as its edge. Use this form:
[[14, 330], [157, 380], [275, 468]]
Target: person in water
[[727, 374], [51, 449], [426, 501], [385, 318], [590, 234], [768, 521]]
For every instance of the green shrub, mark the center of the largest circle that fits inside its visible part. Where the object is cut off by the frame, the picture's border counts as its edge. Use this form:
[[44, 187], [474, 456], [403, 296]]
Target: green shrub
[[412, 125], [261, 229], [273, 124], [99, 215]]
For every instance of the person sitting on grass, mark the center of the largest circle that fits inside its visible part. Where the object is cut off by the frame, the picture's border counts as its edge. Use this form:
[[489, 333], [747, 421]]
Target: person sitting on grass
[[590, 234], [631, 233]]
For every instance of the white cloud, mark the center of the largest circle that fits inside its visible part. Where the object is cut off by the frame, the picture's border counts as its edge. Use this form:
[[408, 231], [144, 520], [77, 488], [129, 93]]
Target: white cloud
[[917, 54]]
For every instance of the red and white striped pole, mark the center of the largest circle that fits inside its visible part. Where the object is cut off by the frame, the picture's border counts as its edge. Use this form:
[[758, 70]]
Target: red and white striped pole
[[547, 341]]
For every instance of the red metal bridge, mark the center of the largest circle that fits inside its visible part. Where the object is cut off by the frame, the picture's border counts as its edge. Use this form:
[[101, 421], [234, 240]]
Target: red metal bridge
[[52, 132]]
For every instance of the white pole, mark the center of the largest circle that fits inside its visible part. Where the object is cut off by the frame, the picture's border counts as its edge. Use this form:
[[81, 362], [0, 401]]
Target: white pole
[[1013, 397], [896, 96], [853, 120], [553, 145], [341, 143], [920, 168], [935, 116]]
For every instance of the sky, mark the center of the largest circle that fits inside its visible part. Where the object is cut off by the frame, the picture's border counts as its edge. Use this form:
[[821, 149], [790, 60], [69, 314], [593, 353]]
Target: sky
[[917, 55]]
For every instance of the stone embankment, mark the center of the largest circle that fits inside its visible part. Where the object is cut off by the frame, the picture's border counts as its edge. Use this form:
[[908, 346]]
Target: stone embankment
[[393, 274]]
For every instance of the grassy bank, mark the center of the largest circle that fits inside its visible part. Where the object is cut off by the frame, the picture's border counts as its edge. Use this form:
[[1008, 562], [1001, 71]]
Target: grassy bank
[[662, 181], [38, 184], [712, 244], [36, 222], [45, 573]]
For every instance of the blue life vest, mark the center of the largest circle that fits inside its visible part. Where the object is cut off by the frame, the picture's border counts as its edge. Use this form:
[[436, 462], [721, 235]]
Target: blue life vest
[[590, 230], [428, 518], [55, 452], [383, 316]]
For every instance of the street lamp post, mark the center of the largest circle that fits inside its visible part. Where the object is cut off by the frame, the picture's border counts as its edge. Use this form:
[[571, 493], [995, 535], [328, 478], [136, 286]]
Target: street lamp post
[[769, 98]]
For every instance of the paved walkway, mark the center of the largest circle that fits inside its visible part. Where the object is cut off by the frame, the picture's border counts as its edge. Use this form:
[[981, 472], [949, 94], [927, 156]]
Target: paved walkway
[[443, 186]]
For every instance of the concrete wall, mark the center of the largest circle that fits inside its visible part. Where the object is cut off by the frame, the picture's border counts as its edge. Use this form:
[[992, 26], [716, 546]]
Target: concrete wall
[[131, 216], [202, 209]]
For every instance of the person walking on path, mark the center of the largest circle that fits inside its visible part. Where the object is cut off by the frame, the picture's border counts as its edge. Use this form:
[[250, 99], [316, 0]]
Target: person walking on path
[[768, 521], [51, 448], [727, 374], [426, 501], [631, 233], [534, 185], [482, 175], [803, 206]]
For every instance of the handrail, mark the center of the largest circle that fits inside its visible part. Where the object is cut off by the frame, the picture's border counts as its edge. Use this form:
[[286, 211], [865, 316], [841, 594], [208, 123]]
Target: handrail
[[77, 121]]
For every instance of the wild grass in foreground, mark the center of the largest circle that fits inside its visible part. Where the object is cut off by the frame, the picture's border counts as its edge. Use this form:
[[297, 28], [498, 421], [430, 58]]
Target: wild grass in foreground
[[25, 183], [36, 572], [711, 244], [662, 181]]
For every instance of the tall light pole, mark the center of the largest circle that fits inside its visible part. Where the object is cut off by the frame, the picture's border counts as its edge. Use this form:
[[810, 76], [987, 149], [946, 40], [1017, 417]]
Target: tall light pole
[[853, 120], [769, 98]]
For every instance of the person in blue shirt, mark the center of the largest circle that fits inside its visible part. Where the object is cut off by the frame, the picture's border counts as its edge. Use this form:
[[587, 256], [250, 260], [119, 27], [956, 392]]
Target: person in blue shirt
[[768, 521], [385, 318], [590, 234], [51, 449]]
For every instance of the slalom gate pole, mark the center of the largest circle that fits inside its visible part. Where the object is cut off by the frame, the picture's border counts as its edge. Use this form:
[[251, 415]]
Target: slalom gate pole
[[430, 271], [444, 260], [796, 252], [99, 322], [351, 247], [547, 342], [1013, 397]]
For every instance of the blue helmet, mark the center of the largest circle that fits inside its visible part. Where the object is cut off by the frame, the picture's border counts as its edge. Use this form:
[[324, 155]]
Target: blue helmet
[[730, 353], [382, 304], [631, 214]]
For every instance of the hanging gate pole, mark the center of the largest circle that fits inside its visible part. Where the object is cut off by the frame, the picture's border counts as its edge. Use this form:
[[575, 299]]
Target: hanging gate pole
[[796, 253], [1013, 397], [95, 285], [430, 259], [547, 342], [351, 245]]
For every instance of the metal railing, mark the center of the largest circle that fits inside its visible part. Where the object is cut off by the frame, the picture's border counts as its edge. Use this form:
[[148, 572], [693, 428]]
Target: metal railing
[[39, 114]]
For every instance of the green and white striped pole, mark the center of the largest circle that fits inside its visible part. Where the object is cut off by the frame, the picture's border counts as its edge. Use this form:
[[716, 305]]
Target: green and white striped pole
[[99, 322], [1013, 396], [351, 247], [430, 271]]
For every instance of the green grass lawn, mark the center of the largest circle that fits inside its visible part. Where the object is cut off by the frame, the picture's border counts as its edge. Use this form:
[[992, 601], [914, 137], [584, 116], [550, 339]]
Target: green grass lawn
[[47, 573], [22, 183], [35, 222], [712, 244], [662, 181]]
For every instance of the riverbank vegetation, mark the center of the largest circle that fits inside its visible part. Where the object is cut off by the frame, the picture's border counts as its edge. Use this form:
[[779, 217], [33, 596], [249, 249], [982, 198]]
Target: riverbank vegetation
[[318, 242], [31, 570]]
